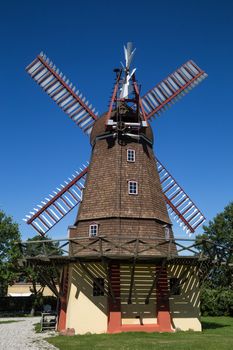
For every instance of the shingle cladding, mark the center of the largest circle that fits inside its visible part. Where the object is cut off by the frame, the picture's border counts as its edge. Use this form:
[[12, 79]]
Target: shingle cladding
[[106, 190], [106, 200]]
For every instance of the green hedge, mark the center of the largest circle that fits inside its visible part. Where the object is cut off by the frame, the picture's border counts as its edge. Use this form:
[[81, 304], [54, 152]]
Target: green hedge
[[10, 306], [217, 302]]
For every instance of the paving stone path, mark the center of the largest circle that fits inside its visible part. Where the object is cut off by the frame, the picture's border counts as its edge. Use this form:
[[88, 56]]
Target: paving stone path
[[21, 335]]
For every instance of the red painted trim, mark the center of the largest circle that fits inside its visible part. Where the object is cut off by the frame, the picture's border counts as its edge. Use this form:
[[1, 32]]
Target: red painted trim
[[114, 308], [163, 317], [175, 207], [139, 99], [62, 315], [155, 110], [78, 99], [114, 322], [61, 325], [111, 103], [164, 321], [178, 213], [162, 296], [148, 328], [198, 224]]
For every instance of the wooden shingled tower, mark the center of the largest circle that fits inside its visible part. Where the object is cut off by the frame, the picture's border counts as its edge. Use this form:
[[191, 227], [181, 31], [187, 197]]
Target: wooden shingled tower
[[124, 268], [123, 194]]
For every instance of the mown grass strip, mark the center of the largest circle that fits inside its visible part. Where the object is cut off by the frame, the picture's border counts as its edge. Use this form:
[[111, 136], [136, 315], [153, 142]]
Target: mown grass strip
[[217, 335]]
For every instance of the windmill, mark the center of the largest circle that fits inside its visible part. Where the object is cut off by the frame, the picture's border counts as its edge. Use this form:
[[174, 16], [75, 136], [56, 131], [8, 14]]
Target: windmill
[[125, 191], [69, 194]]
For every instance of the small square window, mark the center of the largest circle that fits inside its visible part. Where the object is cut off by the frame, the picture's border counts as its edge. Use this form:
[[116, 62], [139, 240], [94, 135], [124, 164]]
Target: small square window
[[93, 230], [130, 155], [97, 291], [175, 286], [132, 187]]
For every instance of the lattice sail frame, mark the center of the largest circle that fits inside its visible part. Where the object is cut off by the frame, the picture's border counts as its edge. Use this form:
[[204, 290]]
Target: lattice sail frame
[[180, 206], [171, 89], [63, 92], [57, 205], [71, 101]]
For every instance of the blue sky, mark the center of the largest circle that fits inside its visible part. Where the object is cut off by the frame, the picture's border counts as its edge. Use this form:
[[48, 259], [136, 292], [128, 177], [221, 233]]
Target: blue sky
[[41, 147]]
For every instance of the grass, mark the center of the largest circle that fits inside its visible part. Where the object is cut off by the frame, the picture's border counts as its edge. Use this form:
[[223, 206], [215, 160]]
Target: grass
[[9, 321], [37, 327], [217, 334]]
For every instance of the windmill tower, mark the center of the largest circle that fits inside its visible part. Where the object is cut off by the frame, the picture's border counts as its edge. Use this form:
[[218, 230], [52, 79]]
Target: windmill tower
[[124, 270]]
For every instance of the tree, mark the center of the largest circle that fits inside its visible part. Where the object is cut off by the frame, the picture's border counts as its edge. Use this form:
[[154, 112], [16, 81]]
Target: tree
[[220, 232], [217, 291], [40, 275], [9, 251]]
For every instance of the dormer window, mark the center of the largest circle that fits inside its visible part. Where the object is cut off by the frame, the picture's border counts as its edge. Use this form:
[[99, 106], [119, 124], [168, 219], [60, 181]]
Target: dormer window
[[130, 155], [93, 230], [132, 187]]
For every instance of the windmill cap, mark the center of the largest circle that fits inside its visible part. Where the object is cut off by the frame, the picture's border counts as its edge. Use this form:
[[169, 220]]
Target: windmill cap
[[99, 128]]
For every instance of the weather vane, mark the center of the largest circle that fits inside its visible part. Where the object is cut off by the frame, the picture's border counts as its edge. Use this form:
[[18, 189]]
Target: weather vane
[[127, 88]]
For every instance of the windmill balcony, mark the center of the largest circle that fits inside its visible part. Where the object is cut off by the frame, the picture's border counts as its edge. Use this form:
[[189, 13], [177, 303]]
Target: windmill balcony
[[122, 246], [146, 248]]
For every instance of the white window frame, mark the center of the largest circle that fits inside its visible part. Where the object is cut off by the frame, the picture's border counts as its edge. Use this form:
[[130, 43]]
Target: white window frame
[[167, 232], [93, 230], [131, 154], [132, 182]]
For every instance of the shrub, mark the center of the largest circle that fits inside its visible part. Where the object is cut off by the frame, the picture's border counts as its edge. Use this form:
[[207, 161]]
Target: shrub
[[217, 302]]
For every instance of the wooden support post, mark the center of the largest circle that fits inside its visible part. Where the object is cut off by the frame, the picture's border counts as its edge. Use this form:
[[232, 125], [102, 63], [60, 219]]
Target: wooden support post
[[131, 282], [63, 299], [155, 281], [114, 308], [107, 273], [133, 272], [50, 284], [162, 294]]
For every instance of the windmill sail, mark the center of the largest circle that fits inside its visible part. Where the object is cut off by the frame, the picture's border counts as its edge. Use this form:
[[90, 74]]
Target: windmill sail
[[171, 89], [63, 92], [59, 204], [179, 204], [69, 195]]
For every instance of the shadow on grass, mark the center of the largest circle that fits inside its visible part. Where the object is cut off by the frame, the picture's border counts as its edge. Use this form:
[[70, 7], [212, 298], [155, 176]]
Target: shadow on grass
[[9, 321], [212, 325]]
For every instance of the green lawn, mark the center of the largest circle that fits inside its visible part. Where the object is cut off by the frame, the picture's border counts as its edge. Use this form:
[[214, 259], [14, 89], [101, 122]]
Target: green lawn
[[9, 321], [217, 335]]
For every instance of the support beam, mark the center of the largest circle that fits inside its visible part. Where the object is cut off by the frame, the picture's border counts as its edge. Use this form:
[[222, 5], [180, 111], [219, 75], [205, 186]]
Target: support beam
[[63, 299], [114, 309], [155, 280], [113, 98], [49, 284], [133, 272], [162, 296], [107, 272], [131, 282]]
